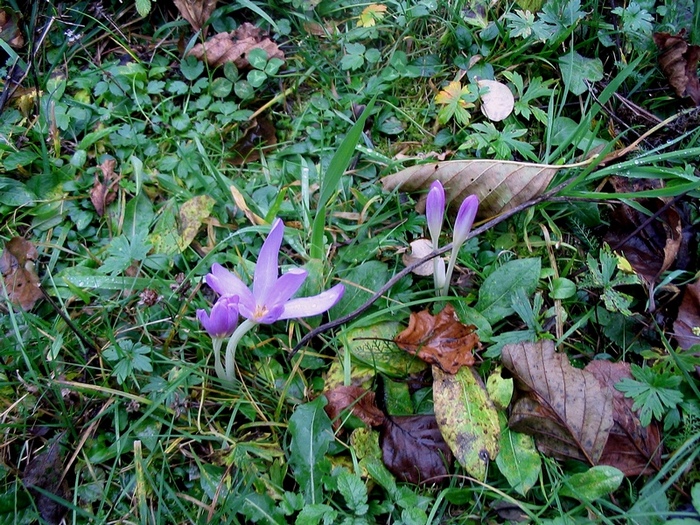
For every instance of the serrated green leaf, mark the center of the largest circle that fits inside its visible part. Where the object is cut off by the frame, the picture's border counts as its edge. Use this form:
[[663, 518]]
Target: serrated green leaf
[[353, 491], [311, 433], [143, 7], [519, 460], [467, 418], [495, 294], [593, 484], [313, 514]]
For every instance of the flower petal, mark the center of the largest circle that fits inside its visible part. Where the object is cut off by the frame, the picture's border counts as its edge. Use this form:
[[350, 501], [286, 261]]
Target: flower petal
[[317, 304], [225, 283], [267, 267], [285, 287], [435, 211], [465, 220]]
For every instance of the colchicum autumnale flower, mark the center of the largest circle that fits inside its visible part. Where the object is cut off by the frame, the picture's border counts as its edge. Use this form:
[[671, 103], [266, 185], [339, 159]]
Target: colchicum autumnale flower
[[434, 213], [269, 299], [220, 324]]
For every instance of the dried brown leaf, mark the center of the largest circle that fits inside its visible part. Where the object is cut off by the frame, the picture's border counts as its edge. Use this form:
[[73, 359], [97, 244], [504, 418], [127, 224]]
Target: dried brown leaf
[[632, 448], [9, 30], [687, 325], [17, 267], [235, 46], [679, 63], [102, 193], [413, 448], [196, 12], [500, 185], [439, 339], [650, 246], [360, 401], [570, 399], [44, 472], [419, 249], [498, 102], [260, 134]]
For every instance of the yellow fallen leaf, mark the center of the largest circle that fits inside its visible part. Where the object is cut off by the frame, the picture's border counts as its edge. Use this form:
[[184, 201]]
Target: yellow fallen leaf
[[371, 14]]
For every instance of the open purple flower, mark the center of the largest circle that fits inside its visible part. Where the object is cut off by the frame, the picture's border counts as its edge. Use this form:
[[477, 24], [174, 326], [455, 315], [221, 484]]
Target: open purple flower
[[269, 300]]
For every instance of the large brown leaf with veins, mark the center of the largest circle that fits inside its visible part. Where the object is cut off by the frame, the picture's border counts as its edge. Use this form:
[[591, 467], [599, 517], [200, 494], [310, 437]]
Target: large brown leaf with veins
[[567, 409]]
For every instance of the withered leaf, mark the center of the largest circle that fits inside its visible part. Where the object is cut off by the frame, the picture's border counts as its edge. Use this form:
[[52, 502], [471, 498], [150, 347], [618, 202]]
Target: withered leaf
[[632, 448], [196, 12], [9, 31], [651, 245], [500, 185], [17, 268], [360, 401], [413, 448], [44, 472], [235, 46], [439, 339], [566, 408], [686, 327], [679, 63], [260, 134], [102, 193]]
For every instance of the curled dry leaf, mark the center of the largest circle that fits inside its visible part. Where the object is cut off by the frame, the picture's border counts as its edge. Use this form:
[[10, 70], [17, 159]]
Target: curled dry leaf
[[567, 410], [235, 46], [439, 339], [43, 479], [413, 448], [17, 268], [687, 325], [192, 214], [360, 401], [497, 101], [196, 12], [632, 448], [102, 193], [500, 185], [260, 134], [679, 63], [419, 249]]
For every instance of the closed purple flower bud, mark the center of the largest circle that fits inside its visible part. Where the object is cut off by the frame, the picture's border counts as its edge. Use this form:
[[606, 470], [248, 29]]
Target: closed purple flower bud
[[223, 318], [465, 220], [435, 211]]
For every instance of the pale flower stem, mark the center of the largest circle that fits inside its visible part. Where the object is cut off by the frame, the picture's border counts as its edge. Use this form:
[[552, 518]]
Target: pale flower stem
[[230, 358], [217, 342], [436, 278], [448, 273]]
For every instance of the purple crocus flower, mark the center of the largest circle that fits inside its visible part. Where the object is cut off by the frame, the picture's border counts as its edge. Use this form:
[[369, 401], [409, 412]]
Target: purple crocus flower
[[465, 220], [435, 211], [269, 300], [223, 319]]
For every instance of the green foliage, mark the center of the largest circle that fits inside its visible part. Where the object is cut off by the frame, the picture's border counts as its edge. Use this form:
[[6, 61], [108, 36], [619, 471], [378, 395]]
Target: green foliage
[[655, 392], [128, 357]]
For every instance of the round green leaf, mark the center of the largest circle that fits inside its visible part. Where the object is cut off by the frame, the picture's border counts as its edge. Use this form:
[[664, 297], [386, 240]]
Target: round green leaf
[[563, 288]]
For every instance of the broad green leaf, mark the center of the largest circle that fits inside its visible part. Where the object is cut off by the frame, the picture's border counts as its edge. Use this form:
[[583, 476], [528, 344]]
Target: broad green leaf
[[577, 69], [563, 288], [82, 277], [261, 508], [360, 283], [593, 484], [500, 185], [14, 193], [519, 460], [314, 513], [143, 7], [499, 389], [467, 418], [311, 433], [495, 294]]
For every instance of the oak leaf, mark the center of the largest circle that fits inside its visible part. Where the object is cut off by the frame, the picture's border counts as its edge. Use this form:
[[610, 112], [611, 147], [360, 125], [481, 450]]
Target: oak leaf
[[235, 46], [440, 339]]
